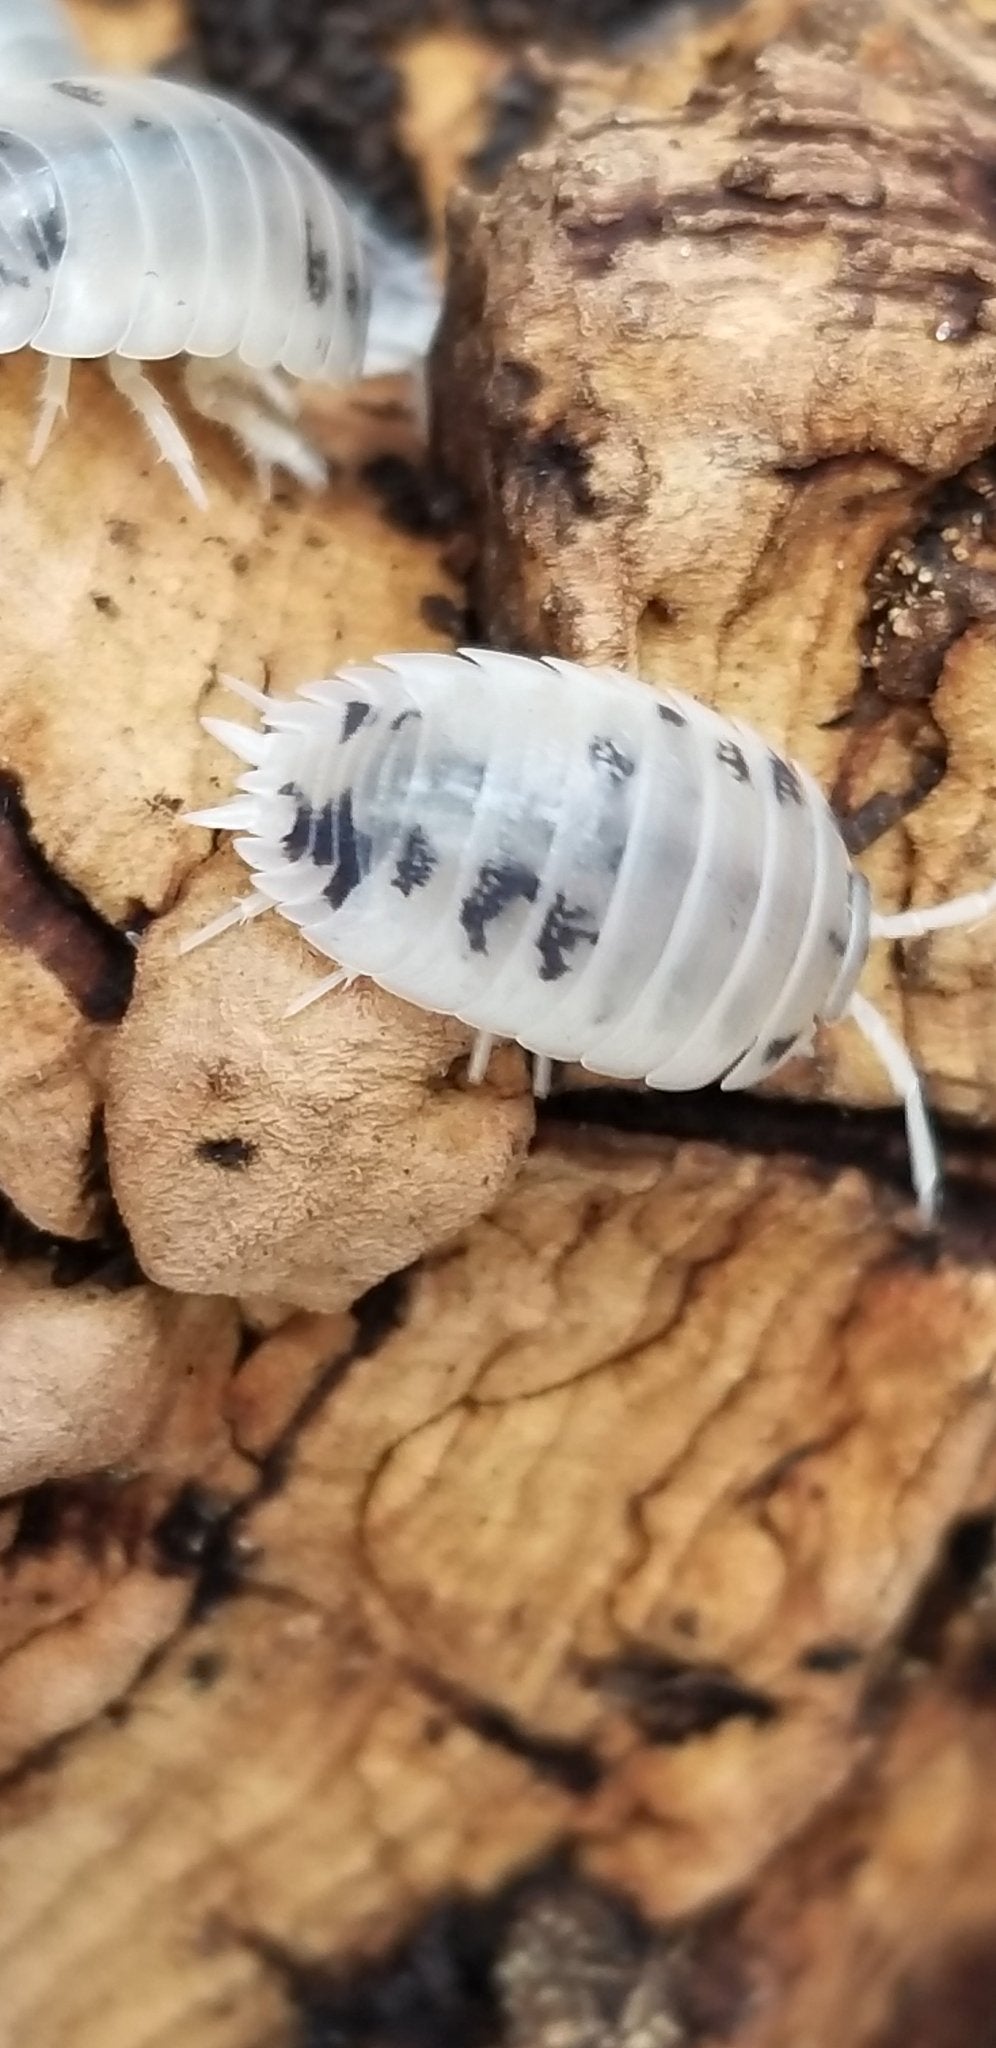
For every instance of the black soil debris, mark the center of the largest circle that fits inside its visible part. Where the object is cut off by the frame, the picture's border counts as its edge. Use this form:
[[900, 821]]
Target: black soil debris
[[327, 71], [546, 1958]]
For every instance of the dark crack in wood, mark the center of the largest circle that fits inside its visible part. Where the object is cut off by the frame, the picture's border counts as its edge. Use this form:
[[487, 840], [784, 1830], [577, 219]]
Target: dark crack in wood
[[46, 916]]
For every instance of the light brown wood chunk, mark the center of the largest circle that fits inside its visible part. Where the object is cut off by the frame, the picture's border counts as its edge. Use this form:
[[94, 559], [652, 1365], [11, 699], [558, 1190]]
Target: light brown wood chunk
[[303, 1161], [599, 1540], [726, 380]]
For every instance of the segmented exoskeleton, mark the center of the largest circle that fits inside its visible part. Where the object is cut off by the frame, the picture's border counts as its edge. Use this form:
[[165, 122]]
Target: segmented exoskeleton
[[142, 219], [561, 855]]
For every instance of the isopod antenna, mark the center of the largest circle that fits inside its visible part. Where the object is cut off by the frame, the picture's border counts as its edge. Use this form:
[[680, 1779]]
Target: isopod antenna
[[925, 1165], [896, 1058]]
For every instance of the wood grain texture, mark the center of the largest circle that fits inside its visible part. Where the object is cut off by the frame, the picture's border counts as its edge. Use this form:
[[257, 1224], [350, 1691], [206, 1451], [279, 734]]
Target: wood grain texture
[[233, 1149], [728, 373], [594, 1534]]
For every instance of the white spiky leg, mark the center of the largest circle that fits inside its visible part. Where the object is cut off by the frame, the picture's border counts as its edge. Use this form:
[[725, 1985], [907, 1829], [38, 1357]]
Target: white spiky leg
[[130, 379], [925, 1165], [342, 978], [54, 400], [936, 917], [239, 912], [259, 408], [542, 1076], [480, 1057]]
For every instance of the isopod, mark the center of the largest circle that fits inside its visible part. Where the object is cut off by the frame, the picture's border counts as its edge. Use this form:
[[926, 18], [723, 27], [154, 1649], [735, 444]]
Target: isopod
[[565, 856], [35, 41], [142, 219]]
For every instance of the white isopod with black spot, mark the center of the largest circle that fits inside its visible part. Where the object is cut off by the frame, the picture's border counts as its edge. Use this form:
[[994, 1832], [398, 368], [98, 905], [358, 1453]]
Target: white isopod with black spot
[[564, 856], [142, 219]]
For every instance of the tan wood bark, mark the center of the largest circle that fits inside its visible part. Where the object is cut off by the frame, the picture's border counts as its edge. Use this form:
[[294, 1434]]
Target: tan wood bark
[[729, 374]]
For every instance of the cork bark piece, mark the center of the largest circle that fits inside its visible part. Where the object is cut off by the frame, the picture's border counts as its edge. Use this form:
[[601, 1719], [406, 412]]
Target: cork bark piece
[[582, 1556], [100, 1375], [876, 1925], [107, 665], [304, 1158], [52, 1086], [104, 673], [727, 376]]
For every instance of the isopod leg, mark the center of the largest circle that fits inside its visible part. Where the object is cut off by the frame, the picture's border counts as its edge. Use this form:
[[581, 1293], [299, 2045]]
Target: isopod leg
[[258, 410], [340, 979], [129, 378], [925, 1165], [542, 1076], [240, 912], [480, 1057], [54, 400], [936, 917]]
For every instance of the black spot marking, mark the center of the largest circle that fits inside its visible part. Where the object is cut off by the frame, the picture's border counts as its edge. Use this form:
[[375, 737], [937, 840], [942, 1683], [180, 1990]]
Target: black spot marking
[[417, 863], [297, 840], [670, 715], [139, 125], [234, 1154], [107, 605], [323, 839], [733, 758], [355, 715], [72, 89], [603, 753], [498, 884], [351, 292], [778, 1047], [564, 929], [353, 851], [837, 1654], [46, 233], [13, 277], [317, 269], [788, 788], [403, 718], [837, 944]]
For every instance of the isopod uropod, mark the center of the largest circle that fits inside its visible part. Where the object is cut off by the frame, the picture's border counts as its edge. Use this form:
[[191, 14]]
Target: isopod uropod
[[565, 856], [141, 219]]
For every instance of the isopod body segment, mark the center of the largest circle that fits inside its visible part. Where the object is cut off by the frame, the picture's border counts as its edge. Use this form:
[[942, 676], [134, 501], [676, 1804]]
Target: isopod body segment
[[144, 218], [607, 873]]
